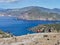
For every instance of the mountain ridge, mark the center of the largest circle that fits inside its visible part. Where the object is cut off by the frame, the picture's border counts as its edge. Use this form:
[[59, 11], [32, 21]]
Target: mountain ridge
[[33, 13]]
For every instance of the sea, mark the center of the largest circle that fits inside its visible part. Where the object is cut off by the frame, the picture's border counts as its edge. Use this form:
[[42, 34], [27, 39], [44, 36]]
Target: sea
[[20, 27]]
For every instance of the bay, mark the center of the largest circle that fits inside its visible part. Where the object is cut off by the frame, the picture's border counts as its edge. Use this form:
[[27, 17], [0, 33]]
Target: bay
[[19, 27]]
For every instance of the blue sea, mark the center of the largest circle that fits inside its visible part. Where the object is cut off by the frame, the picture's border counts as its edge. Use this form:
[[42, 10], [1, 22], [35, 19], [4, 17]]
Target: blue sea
[[19, 27]]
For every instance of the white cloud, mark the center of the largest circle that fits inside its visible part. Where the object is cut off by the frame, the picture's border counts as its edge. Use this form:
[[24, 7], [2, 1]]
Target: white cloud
[[8, 1]]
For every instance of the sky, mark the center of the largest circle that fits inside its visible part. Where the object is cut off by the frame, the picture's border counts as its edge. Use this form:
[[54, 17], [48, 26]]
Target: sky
[[7, 4]]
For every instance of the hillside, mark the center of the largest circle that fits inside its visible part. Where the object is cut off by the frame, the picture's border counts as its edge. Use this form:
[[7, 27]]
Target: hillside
[[32, 13], [46, 28], [33, 39]]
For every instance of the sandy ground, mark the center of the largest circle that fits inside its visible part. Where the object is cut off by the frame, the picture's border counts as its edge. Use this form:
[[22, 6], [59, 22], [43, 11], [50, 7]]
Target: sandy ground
[[33, 39]]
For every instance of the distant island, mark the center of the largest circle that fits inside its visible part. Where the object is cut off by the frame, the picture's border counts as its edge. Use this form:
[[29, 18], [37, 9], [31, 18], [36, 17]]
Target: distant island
[[32, 13]]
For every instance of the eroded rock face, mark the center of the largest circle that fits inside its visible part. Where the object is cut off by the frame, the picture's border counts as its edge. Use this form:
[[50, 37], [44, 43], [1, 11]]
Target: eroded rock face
[[33, 39]]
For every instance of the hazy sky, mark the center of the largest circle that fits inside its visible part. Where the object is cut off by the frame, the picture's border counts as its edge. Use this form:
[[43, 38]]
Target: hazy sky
[[25, 3]]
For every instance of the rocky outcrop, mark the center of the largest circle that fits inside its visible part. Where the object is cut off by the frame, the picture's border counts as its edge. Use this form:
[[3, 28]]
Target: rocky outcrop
[[46, 28]]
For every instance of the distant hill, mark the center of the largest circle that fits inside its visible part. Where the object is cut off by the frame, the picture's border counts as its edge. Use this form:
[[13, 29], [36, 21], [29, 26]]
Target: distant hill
[[33, 13]]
